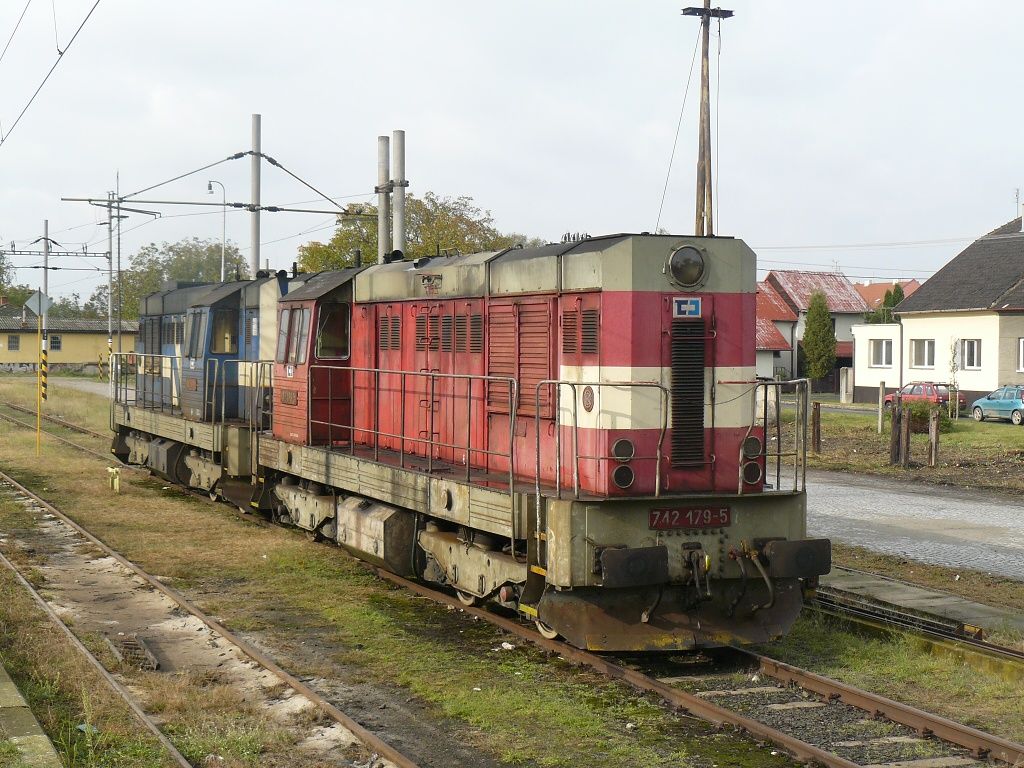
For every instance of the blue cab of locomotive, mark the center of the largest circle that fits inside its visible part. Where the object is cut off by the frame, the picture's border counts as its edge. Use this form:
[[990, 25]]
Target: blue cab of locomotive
[[222, 342]]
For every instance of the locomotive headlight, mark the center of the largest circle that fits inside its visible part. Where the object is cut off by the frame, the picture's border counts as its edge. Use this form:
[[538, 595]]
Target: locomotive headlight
[[685, 267]]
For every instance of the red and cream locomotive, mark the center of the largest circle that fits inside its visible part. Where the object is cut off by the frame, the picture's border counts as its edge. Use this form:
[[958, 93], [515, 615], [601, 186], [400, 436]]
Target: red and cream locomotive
[[574, 430]]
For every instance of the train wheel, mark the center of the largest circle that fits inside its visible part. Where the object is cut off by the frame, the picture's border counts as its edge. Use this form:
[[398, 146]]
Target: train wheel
[[546, 631], [467, 599]]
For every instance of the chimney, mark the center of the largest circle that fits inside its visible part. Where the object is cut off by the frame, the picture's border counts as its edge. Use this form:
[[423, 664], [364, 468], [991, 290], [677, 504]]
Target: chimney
[[4, 301]]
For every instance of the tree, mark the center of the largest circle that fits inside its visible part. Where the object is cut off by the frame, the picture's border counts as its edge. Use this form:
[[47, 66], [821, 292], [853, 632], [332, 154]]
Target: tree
[[190, 260], [819, 340], [884, 312], [433, 223]]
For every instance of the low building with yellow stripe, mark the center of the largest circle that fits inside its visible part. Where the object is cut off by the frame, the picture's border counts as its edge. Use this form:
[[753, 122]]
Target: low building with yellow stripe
[[74, 344]]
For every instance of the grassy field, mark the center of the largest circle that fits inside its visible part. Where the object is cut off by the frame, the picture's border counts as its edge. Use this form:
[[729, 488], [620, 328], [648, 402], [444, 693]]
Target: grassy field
[[289, 592]]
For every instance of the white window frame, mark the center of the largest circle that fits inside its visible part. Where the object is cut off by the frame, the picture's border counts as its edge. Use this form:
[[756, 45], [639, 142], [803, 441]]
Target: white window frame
[[929, 353], [886, 353], [56, 343], [970, 362], [1020, 354]]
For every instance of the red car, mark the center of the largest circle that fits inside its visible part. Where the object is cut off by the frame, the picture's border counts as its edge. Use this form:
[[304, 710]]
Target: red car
[[925, 391]]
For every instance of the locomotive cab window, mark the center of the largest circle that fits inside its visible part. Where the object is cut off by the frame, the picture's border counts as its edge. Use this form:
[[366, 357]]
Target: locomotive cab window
[[282, 336], [298, 336], [225, 332], [332, 331], [196, 332]]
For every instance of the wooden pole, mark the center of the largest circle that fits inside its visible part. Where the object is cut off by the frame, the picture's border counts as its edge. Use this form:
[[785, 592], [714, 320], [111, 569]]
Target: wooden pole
[[894, 431], [905, 423], [881, 405], [933, 438], [816, 426]]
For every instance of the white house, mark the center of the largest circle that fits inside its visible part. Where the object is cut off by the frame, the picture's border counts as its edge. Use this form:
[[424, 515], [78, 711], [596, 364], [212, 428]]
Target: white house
[[964, 325], [776, 335]]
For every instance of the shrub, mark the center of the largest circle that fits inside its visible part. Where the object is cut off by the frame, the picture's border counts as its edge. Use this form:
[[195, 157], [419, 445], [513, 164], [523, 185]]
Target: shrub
[[920, 413]]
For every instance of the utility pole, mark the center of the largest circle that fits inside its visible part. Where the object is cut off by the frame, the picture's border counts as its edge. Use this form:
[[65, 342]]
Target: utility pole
[[110, 280], [43, 363], [704, 223], [254, 172]]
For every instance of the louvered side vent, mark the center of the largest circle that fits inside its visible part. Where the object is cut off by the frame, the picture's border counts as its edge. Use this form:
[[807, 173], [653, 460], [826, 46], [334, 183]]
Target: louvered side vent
[[461, 333], [446, 333], [421, 333], [501, 356], [570, 332], [591, 332], [688, 341], [396, 332], [434, 334], [534, 357], [476, 334], [384, 333]]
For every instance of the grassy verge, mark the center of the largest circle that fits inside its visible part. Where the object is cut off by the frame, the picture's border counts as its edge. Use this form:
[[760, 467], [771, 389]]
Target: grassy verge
[[81, 408], [519, 706], [988, 455], [895, 666]]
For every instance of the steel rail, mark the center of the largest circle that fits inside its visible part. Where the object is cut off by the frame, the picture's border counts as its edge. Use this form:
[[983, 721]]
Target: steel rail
[[137, 711], [981, 744], [83, 448], [368, 738]]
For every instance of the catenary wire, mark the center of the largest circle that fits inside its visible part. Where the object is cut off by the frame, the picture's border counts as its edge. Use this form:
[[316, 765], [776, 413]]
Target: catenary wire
[[235, 156], [15, 30], [675, 141], [302, 181], [60, 57], [56, 41]]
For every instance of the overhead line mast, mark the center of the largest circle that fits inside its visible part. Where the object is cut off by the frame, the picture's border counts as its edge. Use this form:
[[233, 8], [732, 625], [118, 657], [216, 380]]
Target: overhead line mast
[[704, 224]]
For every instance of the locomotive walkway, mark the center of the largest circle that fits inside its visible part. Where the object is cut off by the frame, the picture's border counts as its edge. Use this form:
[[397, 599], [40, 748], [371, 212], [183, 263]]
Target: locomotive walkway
[[951, 527]]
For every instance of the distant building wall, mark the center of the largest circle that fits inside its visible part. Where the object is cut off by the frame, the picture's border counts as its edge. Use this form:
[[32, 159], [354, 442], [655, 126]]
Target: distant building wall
[[76, 348]]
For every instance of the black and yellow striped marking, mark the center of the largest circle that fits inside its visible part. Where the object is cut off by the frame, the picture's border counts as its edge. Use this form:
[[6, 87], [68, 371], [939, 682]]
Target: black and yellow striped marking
[[42, 372]]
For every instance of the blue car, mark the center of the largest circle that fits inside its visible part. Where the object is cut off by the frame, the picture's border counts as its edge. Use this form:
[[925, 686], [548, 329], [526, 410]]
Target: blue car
[[1004, 403]]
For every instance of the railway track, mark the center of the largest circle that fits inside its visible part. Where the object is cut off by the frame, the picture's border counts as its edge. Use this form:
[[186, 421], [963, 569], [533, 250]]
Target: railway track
[[370, 740], [811, 717]]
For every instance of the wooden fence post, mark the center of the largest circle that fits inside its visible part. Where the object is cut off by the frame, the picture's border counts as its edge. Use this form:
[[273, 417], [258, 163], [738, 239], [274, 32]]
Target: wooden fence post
[[894, 431], [905, 424], [816, 426], [881, 405], [933, 438]]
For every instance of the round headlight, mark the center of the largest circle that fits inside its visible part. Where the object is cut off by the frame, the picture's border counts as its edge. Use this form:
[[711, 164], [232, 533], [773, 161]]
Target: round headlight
[[686, 267]]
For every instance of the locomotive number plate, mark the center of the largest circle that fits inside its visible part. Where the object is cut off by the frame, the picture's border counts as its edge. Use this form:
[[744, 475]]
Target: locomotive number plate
[[689, 517]]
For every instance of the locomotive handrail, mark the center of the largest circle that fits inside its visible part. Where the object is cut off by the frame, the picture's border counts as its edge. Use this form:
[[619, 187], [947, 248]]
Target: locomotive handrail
[[255, 369], [150, 367], [663, 400], [431, 380], [799, 453]]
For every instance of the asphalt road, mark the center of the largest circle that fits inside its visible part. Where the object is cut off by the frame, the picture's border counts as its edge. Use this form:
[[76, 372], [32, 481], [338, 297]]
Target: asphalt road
[[953, 527]]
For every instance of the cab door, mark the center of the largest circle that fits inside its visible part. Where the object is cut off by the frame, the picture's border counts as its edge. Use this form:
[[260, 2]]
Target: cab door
[[330, 384]]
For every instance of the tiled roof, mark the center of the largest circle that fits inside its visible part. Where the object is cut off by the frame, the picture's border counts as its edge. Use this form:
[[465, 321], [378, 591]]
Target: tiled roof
[[769, 338], [987, 274], [796, 288], [844, 349], [64, 325], [770, 305], [874, 293]]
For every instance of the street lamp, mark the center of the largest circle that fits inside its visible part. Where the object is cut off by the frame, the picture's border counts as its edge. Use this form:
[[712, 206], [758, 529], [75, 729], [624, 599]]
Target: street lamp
[[223, 225]]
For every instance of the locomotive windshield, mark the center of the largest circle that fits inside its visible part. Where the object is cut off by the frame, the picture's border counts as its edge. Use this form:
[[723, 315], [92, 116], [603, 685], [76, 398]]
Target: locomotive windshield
[[332, 331]]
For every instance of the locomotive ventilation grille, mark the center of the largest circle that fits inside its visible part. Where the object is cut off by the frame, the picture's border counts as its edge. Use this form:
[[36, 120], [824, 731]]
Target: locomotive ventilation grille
[[688, 342]]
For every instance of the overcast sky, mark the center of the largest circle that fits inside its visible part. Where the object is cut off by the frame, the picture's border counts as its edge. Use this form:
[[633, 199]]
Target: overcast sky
[[840, 123]]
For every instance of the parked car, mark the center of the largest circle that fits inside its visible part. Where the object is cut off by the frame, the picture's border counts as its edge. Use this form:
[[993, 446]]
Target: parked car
[[925, 391], [1005, 403]]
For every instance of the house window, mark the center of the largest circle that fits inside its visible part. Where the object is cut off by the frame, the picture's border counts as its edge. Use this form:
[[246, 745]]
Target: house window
[[881, 353], [922, 353], [54, 343], [1020, 354], [970, 354], [14, 343]]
